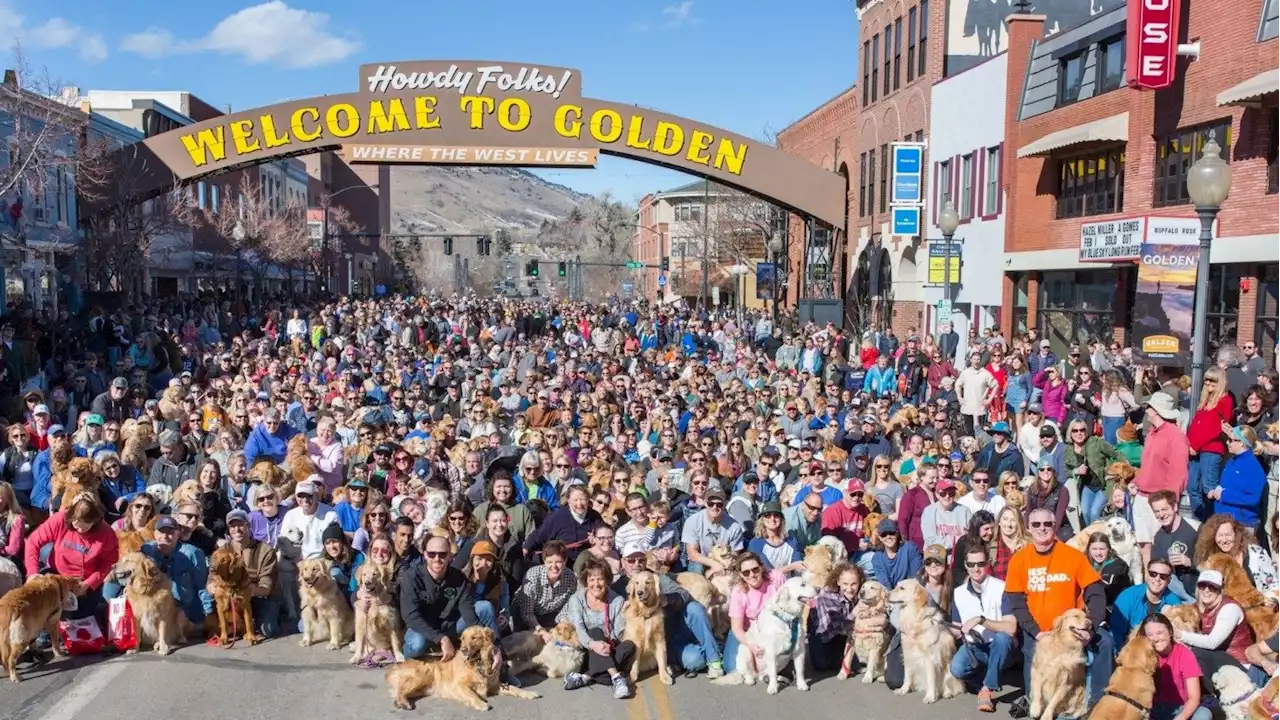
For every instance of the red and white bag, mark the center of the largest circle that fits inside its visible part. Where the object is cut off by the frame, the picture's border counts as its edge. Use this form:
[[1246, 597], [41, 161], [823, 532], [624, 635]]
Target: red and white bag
[[122, 627], [81, 637]]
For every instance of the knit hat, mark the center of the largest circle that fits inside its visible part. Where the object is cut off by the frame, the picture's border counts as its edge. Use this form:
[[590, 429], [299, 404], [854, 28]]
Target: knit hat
[[484, 547], [333, 531]]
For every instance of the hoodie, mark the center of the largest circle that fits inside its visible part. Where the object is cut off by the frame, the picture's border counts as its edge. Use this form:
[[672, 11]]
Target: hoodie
[[263, 444]]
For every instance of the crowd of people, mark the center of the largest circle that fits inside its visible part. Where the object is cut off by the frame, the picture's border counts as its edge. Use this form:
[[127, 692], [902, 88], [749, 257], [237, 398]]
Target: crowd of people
[[514, 463]]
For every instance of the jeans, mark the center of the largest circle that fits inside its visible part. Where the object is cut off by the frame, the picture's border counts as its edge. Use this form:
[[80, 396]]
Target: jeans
[[731, 645], [1092, 502], [1111, 425], [692, 638], [1100, 656], [862, 558], [416, 645], [1203, 475], [266, 613], [1168, 712], [990, 659], [1072, 484]]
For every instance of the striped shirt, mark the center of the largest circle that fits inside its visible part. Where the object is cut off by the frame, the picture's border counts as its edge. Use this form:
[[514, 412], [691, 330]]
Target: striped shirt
[[629, 533]]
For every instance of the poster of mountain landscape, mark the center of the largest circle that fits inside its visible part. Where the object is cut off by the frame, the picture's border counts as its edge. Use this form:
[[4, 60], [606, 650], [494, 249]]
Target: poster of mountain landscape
[[976, 29], [1164, 305]]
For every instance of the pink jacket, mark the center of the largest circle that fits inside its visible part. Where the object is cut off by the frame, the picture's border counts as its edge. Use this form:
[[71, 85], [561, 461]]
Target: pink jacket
[[329, 462], [1052, 399]]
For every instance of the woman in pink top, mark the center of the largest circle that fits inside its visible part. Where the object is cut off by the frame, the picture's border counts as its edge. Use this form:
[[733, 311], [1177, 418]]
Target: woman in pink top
[[1177, 674], [1053, 394], [325, 450], [747, 599]]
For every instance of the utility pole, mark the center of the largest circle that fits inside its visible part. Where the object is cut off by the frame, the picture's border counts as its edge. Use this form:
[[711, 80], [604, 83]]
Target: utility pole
[[706, 243]]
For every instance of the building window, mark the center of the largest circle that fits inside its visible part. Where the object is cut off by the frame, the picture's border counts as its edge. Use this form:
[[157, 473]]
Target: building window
[[1091, 184], [1273, 144], [991, 197], [924, 36], [966, 187], [944, 182], [897, 52], [1021, 296], [866, 71], [1076, 307], [919, 135], [862, 185], [1110, 72], [1224, 304], [1176, 154], [871, 182], [888, 38], [1267, 333], [688, 212], [1070, 78], [884, 177], [911, 44], [875, 67]]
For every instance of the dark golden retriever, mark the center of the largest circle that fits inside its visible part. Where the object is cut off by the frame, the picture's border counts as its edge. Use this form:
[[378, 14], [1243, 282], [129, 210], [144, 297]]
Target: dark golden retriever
[[1132, 682], [27, 610], [232, 591]]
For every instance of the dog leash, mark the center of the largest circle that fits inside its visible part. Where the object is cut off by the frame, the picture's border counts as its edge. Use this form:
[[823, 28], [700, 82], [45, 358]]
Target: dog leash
[[1143, 712], [235, 632]]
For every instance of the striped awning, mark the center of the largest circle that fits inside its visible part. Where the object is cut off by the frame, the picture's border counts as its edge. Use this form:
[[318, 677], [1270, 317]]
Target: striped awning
[[1108, 129], [1255, 87]]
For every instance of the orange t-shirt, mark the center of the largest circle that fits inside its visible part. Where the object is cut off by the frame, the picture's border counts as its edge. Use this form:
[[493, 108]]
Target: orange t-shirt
[[1053, 582]]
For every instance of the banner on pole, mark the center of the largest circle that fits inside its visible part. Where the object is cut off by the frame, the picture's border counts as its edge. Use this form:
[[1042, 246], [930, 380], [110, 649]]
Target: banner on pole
[[1164, 304], [765, 272]]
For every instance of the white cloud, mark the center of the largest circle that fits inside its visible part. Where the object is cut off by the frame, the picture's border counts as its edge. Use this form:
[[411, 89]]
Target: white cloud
[[53, 34], [673, 17], [269, 33]]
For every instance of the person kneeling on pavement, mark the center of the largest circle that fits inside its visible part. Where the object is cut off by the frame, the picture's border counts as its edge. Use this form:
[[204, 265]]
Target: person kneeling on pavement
[[437, 602], [260, 564], [987, 629], [185, 566], [688, 626]]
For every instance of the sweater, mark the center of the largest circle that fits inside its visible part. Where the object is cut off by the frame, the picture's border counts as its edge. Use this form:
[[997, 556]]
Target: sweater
[[306, 531], [1053, 399], [1205, 431], [1244, 485], [1164, 461], [563, 526], [889, 571], [584, 619], [910, 512], [88, 556], [263, 444]]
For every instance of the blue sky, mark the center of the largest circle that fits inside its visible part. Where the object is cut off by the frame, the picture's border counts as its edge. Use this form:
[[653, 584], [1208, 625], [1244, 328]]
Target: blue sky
[[750, 66]]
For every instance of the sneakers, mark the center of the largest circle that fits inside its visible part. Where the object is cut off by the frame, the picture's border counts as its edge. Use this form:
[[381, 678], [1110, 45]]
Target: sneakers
[[576, 681], [985, 702], [620, 689], [715, 670], [1020, 708]]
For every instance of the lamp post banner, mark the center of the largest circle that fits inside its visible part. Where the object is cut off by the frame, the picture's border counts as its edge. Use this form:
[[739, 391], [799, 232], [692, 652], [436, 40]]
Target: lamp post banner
[[1164, 305]]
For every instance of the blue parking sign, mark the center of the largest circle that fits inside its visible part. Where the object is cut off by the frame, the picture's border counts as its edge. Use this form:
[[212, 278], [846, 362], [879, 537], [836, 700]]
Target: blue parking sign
[[906, 221]]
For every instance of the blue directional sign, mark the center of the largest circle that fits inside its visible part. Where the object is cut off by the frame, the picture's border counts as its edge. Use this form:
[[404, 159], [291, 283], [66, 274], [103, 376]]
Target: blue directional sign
[[907, 180], [662, 281], [906, 221]]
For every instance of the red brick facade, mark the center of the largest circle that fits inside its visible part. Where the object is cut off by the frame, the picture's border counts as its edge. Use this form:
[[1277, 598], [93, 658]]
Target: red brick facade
[[1229, 55]]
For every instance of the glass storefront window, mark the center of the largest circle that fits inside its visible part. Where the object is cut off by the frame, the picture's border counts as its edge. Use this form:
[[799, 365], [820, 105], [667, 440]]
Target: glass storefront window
[[1076, 306], [1224, 304], [1267, 333]]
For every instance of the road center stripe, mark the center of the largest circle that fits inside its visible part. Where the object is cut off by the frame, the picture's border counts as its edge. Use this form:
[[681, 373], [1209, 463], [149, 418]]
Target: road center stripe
[[85, 690]]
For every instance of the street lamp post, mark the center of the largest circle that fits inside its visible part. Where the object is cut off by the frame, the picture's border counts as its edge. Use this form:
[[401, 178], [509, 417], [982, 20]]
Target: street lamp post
[[775, 250], [1208, 184], [948, 221], [238, 234]]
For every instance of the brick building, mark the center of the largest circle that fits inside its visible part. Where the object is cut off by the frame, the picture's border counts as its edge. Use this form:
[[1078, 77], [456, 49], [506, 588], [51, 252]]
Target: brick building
[[1082, 149]]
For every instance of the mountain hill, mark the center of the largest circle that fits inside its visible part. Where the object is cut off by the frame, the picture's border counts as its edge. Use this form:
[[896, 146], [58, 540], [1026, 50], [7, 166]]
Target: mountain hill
[[441, 198]]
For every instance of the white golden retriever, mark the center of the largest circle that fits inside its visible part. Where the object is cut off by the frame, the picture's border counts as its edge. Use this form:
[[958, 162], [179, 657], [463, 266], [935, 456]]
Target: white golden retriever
[[779, 633], [1236, 692], [927, 645], [1123, 543]]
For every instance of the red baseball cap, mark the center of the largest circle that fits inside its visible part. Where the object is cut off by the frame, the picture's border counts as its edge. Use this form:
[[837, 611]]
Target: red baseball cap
[[855, 486], [945, 485]]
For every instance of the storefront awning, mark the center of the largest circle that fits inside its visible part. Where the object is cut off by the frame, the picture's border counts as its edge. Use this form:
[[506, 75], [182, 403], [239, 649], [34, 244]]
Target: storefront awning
[[1109, 129], [1255, 87]]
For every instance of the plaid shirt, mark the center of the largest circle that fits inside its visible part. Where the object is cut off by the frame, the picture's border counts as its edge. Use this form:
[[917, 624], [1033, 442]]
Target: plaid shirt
[[1000, 566], [536, 597]]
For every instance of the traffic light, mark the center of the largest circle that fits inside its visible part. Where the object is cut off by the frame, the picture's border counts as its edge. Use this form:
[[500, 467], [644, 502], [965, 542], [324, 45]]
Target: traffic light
[[531, 268], [562, 269], [666, 263], [448, 245]]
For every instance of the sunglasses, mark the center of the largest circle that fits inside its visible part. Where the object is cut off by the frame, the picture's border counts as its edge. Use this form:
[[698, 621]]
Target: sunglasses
[[975, 563], [932, 561], [975, 479], [1040, 525], [457, 518], [436, 554], [1208, 586], [305, 496], [379, 515], [1158, 575], [752, 571], [715, 504]]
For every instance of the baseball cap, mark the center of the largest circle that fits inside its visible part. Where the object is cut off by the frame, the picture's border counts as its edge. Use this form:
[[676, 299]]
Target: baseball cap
[[238, 515], [715, 493], [861, 451], [888, 526], [1001, 428], [936, 552], [1210, 577], [1044, 343], [869, 419], [773, 507], [945, 484], [794, 443], [56, 430], [306, 487], [40, 410], [357, 483], [120, 383], [94, 419], [771, 451], [855, 486], [166, 522], [631, 548], [1035, 408], [484, 547], [1048, 431]]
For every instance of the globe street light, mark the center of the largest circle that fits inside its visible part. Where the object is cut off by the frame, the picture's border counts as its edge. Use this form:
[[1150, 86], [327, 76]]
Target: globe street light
[[948, 221], [1208, 184], [775, 252]]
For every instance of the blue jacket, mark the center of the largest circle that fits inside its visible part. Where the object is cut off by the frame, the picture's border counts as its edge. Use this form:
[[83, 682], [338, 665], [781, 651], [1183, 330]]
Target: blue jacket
[[1244, 484], [125, 485], [905, 565], [546, 492], [880, 380], [1131, 608], [767, 492], [188, 568], [42, 471], [263, 444]]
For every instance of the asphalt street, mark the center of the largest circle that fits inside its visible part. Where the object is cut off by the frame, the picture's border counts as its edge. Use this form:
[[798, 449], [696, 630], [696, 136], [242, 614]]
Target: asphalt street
[[280, 679]]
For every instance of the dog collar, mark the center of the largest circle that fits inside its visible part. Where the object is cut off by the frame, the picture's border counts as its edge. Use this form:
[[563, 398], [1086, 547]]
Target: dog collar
[[793, 624], [1240, 699]]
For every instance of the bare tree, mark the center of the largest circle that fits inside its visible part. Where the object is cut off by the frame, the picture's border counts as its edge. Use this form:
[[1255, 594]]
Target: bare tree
[[247, 221], [598, 230], [740, 228], [288, 241]]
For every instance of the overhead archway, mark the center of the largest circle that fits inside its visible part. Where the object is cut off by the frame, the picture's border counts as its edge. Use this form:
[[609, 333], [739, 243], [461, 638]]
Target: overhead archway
[[472, 113]]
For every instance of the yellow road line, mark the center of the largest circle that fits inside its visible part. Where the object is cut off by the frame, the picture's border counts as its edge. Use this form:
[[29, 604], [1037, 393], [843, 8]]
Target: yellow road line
[[637, 708], [661, 700]]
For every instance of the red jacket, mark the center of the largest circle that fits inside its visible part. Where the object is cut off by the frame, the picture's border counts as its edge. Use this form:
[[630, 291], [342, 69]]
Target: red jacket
[[1205, 431], [89, 556]]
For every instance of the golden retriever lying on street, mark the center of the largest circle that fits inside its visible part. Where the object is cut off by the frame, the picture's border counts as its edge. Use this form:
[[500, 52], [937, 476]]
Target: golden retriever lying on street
[[555, 657], [469, 677]]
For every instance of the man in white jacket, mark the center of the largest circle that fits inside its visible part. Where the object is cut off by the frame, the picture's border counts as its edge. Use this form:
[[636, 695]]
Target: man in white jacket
[[303, 526]]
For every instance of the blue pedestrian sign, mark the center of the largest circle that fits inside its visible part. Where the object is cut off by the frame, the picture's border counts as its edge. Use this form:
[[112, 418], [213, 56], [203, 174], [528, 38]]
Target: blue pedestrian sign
[[906, 221], [907, 181], [662, 280]]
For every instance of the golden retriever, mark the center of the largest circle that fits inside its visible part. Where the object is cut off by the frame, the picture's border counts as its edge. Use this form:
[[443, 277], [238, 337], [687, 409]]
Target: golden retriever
[[79, 475], [1058, 669], [645, 625], [1123, 543], [927, 645], [818, 562], [469, 677], [709, 596], [1261, 616], [133, 540], [1263, 706], [27, 610], [149, 591], [871, 633], [1132, 686], [555, 657], [325, 613], [1183, 617], [377, 613], [296, 458], [231, 587]]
